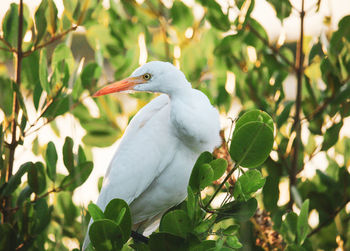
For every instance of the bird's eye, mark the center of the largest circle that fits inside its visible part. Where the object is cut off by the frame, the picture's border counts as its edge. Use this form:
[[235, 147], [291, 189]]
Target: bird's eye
[[147, 76]]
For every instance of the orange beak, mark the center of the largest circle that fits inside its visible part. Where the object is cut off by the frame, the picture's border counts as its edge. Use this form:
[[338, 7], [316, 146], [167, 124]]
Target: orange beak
[[123, 85]]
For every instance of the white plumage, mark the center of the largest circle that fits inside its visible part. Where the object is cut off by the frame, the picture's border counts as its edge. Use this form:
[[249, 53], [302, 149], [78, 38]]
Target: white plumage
[[152, 165]]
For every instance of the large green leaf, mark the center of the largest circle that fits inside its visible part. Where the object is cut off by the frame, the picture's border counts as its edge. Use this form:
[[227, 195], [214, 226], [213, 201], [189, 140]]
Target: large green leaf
[[51, 160], [37, 177], [106, 235], [176, 222], [251, 144], [118, 211]]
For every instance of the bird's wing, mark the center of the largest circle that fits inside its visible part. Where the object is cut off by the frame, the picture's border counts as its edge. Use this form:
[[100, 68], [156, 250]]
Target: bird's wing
[[142, 154]]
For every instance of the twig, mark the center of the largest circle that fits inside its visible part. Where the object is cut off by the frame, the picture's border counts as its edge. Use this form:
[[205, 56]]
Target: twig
[[10, 48], [15, 107], [296, 125], [53, 39]]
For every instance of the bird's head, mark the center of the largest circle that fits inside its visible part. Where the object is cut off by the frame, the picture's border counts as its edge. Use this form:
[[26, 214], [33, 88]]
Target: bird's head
[[155, 76]]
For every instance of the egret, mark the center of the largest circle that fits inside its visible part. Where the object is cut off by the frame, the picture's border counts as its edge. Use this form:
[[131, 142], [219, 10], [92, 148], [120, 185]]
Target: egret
[[152, 165]]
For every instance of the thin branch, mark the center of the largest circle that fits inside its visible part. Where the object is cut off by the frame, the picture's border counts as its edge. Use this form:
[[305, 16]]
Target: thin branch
[[53, 39], [10, 48], [15, 107], [330, 219], [296, 125]]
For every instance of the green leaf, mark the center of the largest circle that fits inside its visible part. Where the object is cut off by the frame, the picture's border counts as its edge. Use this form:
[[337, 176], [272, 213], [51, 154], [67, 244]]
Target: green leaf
[[51, 160], [10, 25], [68, 156], [271, 193], [191, 203], [249, 183], [176, 222], [204, 225], [331, 136], [40, 21], [81, 155], [219, 167], [230, 229], [24, 195], [36, 177], [62, 53], [205, 175], [166, 241], [181, 15], [106, 235], [233, 242], [8, 238], [238, 210], [194, 182], [215, 15], [43, 72], [251, 144], [51, 17], [95, 212], [42, 216], [283, 8], [252, 116], [15, 179], [77, 177], [118, 211], [289, 228], [302, 224]]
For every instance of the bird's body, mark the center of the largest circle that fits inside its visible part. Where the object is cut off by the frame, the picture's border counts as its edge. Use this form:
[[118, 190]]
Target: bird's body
[[152, 165]]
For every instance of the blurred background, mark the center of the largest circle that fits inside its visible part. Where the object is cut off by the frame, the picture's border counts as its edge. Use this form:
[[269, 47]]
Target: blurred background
[[241, 54]]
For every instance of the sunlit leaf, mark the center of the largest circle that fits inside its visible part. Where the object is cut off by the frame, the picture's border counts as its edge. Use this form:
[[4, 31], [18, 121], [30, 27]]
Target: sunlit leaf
[[105, 235]]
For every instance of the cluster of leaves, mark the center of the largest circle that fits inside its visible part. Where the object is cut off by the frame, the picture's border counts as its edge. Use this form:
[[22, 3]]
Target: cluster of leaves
[[32, 216], [187, 226]]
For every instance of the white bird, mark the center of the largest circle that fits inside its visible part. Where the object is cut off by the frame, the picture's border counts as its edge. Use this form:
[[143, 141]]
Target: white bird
[[152, 165]]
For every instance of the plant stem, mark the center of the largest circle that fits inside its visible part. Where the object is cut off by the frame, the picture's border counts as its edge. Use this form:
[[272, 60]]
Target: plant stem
[[296, 125], [15, 106]]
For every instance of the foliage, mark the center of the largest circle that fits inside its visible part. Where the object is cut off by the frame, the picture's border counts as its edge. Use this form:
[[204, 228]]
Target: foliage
[[49, 81]]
